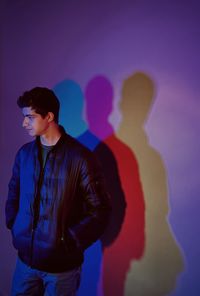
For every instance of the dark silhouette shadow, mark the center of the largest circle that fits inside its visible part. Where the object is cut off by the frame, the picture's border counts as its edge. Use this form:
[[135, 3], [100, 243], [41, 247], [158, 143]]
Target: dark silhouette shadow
[[71, 99], [156, 272], [122, 242]]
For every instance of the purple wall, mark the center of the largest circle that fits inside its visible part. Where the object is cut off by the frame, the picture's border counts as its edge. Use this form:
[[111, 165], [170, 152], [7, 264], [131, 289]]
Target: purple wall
[[149, 51]]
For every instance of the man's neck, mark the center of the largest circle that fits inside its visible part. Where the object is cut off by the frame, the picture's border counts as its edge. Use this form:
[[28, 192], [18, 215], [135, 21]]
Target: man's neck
[[52, 135]]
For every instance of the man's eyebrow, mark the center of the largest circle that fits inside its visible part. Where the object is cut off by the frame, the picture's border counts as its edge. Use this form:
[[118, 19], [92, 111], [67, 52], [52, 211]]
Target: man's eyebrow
[[29, 115]]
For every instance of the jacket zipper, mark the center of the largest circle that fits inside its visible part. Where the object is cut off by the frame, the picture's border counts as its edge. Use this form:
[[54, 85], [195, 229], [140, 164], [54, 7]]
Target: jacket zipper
[[36, 209], [32, 238]]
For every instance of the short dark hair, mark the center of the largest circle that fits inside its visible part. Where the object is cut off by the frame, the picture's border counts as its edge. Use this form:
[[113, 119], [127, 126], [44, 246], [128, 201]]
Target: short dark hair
[[42, 100]]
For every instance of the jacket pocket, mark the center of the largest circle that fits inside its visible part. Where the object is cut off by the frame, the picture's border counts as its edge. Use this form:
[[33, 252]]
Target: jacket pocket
[[69, 241]]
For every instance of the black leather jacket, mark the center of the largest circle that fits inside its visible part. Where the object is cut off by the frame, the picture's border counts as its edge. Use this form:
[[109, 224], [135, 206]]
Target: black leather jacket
[[56, 212]]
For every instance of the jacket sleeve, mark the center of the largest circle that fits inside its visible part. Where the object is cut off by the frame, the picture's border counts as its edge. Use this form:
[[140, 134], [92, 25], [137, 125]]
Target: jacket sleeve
[[12, 203], [96, 203]]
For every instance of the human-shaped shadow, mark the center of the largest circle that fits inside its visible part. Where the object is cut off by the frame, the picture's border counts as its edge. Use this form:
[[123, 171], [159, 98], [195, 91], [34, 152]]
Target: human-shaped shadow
[[121, 242], [71, 99], [156, 273]]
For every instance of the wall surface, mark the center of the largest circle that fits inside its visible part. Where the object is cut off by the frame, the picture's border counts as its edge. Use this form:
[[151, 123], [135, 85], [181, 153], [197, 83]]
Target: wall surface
[[127, 76]]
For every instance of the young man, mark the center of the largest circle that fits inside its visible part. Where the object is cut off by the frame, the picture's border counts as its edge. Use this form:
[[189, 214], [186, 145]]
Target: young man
[[57, 204]]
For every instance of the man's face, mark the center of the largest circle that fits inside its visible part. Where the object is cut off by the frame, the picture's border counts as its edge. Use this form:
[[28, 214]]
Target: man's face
[[34, 123]]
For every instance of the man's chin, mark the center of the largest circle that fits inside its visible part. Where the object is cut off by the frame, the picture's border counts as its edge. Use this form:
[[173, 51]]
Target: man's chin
[[31, 133]]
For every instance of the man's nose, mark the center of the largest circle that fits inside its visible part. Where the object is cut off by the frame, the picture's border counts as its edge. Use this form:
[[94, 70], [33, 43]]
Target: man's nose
[[25, 122]]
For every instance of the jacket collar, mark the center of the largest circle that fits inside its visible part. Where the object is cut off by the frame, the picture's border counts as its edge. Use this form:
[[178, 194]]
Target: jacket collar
[[60, 141]]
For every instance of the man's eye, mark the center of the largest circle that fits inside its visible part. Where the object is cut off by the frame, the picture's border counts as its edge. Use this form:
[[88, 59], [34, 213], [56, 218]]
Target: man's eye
[[29, 117]]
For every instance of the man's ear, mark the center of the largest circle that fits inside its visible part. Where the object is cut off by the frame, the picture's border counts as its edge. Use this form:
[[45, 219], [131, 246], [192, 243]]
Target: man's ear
[[50, 116]]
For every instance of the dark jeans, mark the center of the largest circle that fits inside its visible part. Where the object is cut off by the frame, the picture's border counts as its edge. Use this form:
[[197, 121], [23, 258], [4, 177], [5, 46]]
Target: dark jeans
[[29, 281]]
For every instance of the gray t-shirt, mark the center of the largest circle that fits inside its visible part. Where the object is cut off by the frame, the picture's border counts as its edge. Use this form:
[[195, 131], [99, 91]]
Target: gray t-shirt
[[45, 150]]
